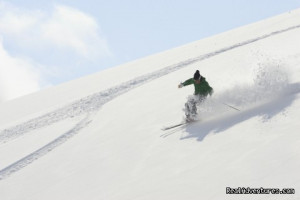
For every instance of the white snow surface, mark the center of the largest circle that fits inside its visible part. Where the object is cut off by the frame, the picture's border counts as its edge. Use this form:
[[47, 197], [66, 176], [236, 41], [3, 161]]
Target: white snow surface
[[101, 137]]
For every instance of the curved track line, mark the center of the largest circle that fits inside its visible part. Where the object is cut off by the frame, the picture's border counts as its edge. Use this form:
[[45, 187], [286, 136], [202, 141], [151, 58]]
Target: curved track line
[[18, 165]]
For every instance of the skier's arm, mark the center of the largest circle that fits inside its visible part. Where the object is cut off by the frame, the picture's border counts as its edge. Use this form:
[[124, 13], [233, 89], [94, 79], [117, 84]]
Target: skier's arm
[[185, 83], [188, 82]]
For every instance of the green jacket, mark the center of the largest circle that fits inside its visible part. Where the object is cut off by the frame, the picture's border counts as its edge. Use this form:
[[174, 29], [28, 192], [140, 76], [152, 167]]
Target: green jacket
[[202, 88]]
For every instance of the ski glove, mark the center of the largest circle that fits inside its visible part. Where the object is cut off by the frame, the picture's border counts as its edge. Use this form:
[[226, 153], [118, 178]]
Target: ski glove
[[180, 85]]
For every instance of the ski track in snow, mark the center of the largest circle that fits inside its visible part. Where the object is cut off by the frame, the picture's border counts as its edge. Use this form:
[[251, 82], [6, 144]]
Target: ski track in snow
[[18, 165], [94, 102]]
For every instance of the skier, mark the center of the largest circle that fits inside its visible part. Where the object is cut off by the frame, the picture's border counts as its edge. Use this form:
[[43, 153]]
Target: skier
[[202, 90]]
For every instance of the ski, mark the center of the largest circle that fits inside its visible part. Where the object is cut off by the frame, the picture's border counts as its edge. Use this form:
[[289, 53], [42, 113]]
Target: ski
[[179, 125], [173, 126]]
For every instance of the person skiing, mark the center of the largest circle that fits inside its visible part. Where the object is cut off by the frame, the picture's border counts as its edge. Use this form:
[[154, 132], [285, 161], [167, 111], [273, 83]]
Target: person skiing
[[202, 90]]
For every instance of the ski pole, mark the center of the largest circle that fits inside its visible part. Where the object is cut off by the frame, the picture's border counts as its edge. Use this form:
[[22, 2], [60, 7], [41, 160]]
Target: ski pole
[[231, 106], [228, 105]]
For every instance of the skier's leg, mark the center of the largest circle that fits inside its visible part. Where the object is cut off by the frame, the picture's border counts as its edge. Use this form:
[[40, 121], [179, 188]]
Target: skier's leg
[[191, 108], [187, 109]]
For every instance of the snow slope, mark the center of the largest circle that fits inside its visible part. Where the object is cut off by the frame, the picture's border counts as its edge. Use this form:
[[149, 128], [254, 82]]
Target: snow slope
[[100, 137]]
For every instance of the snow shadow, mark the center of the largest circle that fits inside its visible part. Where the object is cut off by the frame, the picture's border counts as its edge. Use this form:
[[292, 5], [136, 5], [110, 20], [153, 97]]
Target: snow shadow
[[266, 110]]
